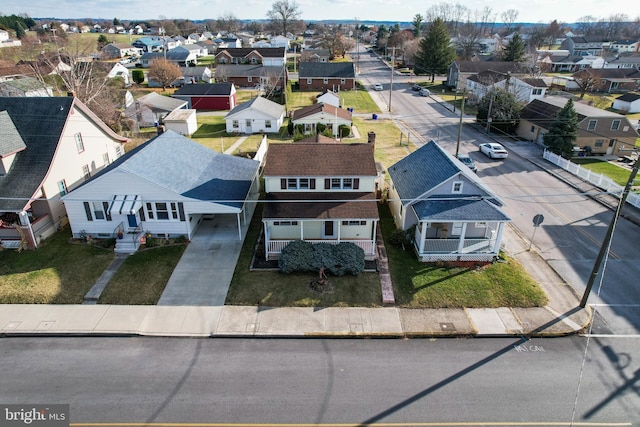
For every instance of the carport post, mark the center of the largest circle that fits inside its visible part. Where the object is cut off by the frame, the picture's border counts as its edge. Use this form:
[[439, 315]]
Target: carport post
[[239, 226]]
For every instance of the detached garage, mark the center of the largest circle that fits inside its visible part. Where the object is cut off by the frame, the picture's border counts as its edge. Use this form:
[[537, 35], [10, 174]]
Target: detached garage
[[210, 96], [183, 122]]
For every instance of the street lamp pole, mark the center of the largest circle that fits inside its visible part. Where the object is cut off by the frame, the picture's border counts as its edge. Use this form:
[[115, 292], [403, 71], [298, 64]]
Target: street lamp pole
[[460, 123], [393, 63], [607, 240]]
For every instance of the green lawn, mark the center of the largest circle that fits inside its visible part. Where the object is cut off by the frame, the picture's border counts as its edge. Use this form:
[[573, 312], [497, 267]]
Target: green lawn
[[359, 100], [143, 276], [388, 149], [58, 272], [438, 285], [212, 133], [619, 174]]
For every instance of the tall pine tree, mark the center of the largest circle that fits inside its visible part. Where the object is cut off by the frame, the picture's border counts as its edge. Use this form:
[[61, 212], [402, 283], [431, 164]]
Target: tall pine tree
[[514, 50], [563, 131], [435, 51]]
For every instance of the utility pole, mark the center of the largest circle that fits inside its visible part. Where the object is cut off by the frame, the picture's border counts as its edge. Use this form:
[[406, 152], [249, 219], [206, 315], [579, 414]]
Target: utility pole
[[493, 94], [460, 123], [393, 63], [607, 239]]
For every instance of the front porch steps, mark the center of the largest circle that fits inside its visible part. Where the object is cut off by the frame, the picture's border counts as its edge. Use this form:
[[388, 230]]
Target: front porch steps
[[128, 245]]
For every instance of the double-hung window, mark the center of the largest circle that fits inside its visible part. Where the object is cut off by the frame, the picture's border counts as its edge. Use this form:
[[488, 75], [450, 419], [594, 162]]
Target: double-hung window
[[79, 143]]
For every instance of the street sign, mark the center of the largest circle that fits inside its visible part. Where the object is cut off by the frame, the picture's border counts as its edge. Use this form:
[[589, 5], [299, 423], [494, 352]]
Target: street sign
[[537, 220]]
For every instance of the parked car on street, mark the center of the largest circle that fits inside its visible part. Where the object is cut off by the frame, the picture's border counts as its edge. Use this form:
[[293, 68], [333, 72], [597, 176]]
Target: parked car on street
[[493, 150], [377, 86], [424, 92], [416, 87], [468, 162]]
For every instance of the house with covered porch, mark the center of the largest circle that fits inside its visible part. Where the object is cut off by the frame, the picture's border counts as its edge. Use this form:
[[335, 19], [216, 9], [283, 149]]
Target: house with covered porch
[[448, 212], [320, 192], [164, 188]]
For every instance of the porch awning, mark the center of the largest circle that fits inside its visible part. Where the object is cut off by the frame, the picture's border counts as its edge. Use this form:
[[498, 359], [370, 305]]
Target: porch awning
[[463, 209], [125, 204]]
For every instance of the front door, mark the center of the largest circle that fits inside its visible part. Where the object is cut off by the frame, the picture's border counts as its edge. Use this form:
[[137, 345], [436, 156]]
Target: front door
[[132, 219], [328, 230]]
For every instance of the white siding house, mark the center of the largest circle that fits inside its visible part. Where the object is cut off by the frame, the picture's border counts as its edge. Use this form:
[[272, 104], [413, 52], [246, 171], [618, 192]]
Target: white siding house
[[256, 116]]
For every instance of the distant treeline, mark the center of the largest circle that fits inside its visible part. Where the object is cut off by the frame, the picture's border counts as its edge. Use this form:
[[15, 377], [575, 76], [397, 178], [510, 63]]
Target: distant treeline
[[19, 24]]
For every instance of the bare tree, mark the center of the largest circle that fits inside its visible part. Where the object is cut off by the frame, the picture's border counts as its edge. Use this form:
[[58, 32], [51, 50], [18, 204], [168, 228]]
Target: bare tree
[[164, 72], [587, 25], [467, 43], [283, 13], [509, 18], [614, 25], [586, 81], [228, 22], [554, 31]]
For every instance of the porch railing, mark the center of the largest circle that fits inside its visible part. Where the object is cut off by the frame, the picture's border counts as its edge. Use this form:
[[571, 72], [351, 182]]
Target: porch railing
[[450, 246]]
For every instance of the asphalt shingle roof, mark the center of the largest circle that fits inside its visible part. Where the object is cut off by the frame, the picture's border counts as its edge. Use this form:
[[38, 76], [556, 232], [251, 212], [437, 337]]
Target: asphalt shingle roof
[[345, 205], [263, 105], [460, 208], [40, 122], [629, 97], [265, 52], [320, 107], [318, 159], [10, 139], [206, 89], [159, 102], [327, 69], [182, 166]]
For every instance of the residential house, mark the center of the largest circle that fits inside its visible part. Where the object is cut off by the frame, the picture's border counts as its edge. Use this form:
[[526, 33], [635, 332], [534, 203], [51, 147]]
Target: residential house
[[611, 80], [119, 70], [182, 121], [624, 60], [214, 96], [163, 188], [329, 97], [559, 62], [280, 41], [229, 42], [450, 214], [330, 116], [524, 89], [315, 55], [599, 131], [10, 71], [259, 115], [245, 75], [195, 37], [584, 45], [621, 46], [149, 44], [459, 71], [180, 58], [27, 86], [150, 109], [49, 146], [327, 75], [320, 192], [198, 50], [627, 103], [267, 56], [200, 74], [120, 50]]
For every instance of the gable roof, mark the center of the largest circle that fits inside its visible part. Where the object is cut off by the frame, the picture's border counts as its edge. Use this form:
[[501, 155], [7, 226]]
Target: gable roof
[[40, 122], [248, 70], [614, 73], [206, 89], [427, 168], [196, 172], [544, 111], [497, 66], [629, 97], [265, 52], [11, 141], [159, 102], [259, 104], [327, 69], [25, 84], [321, 107], [319, 159]]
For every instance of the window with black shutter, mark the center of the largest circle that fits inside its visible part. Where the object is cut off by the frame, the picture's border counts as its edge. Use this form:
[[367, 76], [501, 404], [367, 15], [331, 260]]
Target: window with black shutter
[[283, 184], [87, 210], [105, 205], [356, 183], [327, 184]]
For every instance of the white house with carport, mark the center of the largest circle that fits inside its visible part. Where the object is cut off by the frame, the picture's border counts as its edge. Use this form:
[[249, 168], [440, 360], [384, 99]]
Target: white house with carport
[[454, 217], [258, 115], [163, 188]]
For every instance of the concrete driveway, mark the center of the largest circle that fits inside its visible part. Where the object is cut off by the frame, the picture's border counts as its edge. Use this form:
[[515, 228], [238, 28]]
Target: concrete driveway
[[203, 274]]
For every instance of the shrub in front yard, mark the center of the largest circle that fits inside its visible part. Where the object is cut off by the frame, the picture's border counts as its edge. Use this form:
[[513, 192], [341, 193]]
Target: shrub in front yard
[[339, 260]]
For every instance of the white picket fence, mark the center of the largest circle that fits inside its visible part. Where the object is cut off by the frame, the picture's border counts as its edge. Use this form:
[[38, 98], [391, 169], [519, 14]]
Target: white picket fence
[[597, 179]]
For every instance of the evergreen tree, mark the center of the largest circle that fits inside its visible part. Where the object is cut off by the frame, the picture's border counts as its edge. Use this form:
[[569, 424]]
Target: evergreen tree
[[417, 24], [563, 131], [514, 50], [435, 52]]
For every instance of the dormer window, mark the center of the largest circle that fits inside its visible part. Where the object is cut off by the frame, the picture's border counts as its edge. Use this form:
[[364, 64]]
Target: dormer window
[[457, 187]]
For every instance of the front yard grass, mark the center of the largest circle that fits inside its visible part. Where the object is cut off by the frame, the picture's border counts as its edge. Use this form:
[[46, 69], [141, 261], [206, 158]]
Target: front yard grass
[[212, 133], [439, 285], [58, 272], [143, 276], [358, 99], [619, 174], [388, 149]]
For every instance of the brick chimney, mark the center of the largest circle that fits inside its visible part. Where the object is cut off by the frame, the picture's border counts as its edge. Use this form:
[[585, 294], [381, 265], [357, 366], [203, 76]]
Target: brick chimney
[[371, 138]]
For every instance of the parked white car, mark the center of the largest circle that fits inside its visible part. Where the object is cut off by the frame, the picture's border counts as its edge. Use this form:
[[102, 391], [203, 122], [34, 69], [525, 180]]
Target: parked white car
[[377, 86], [493, 150], [424, 92]]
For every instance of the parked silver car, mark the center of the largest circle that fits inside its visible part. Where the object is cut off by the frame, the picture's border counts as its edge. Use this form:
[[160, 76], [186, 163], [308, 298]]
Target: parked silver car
[[468, 162]]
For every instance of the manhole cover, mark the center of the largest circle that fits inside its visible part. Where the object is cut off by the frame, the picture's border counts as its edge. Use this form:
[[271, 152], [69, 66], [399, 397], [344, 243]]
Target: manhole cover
[[447, 327]]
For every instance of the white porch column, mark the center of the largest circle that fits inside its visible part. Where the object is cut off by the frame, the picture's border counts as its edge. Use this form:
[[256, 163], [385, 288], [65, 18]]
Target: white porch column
[[461, 241], [423, 235], [339, 226], [302, 230], [239, 226], [373, 238], [496, 247], [266, 239]]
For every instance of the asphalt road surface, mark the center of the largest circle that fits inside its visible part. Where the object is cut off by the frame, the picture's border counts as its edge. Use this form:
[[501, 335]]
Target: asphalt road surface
[[308, 381]]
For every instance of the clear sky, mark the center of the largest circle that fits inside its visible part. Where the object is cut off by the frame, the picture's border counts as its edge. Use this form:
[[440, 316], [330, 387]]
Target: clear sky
[[376, 10]]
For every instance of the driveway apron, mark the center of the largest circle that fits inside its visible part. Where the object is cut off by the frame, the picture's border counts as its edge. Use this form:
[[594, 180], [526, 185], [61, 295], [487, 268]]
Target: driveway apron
[[203, 274]]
